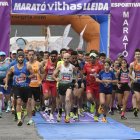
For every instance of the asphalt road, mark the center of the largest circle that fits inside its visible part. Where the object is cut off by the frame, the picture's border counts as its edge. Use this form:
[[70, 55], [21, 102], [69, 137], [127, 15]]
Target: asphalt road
[[10, 131]]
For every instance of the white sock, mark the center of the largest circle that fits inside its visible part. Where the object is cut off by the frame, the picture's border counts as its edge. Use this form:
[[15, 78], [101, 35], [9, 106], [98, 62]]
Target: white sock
[[9, 103], [0, 105]]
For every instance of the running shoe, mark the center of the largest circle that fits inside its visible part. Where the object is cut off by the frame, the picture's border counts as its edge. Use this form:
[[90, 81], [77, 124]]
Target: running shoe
[[104, 119], [30, 122], [51, 116], [46, 109], [19, 123], [135, 112], [0, 114], [118, 109], [33, 112], [71, 114], [96, 119], [123, 117], [13, 110], [92, 108], [67, 119], [59, 117], [80, 112], [49, 112], [8, 109], [111, 112], [75, 117], [15, 117], [37, 108], [100, 110]]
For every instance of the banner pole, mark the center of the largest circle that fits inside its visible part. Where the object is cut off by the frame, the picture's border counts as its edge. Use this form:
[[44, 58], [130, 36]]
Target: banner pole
[[108, 44]]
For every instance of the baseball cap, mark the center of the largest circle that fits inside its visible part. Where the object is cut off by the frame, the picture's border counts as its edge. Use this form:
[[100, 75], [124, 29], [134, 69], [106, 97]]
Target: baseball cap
[[2, 53], [14, 52], [93, 55]]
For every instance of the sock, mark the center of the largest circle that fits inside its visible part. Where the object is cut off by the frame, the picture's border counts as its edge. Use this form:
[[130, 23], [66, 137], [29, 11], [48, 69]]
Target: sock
[[122, 114], [9, 104], [46, 102], [88, 104], [0, 105], [19, 115]]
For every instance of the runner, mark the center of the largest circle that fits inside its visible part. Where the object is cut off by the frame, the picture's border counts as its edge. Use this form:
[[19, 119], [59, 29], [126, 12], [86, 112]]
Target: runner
[[13, 55], [64, 75], [35, 83], [62, 52], [46, 55], [101, 61], [105, 78], [21, 90], [87, 58], [135, 67], [4, 65], [91, 70], [123, 89], [13, 102], [114, 69], [49, 84], [77, 92]]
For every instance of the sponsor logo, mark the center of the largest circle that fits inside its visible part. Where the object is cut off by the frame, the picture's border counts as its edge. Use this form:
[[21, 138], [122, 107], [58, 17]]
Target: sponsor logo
[[3, 3]]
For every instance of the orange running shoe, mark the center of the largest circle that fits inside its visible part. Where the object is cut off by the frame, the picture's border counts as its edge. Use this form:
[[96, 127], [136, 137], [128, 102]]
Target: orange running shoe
[[104, 119]]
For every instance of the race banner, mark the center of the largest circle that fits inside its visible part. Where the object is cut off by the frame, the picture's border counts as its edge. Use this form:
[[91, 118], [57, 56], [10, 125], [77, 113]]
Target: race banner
[[5, 25], [61, 7], [124, 28]]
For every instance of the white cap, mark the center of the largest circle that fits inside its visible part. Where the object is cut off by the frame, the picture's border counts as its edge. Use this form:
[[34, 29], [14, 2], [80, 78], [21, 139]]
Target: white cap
[[93, 55], [14, 51], [2, 53]]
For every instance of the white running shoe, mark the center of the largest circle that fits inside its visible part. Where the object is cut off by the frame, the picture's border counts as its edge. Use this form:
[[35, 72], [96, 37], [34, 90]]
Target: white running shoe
[[51, 116], [8, 109], [30, 122]]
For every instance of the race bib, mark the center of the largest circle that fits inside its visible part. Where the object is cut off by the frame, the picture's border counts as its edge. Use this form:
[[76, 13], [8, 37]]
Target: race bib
[[34, 79], [66, 77], [20, 79]]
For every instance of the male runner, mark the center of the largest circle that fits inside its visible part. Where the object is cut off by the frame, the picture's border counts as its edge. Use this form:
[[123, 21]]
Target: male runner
[[21, 90]]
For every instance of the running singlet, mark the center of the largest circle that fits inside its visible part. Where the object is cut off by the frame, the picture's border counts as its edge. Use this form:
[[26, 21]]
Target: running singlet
[[50, 67], [36, 81], [137, 71], [59, 62], [66, 74], [106, 76], [19, 78], [123, 76], [91, 72]]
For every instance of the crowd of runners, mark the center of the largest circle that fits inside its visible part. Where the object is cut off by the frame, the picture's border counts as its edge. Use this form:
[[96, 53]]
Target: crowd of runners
[[70, 82]]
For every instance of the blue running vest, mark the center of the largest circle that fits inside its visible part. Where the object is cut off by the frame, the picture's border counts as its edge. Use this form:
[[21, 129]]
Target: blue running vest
[[18, 79]]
